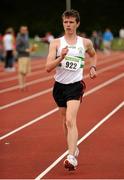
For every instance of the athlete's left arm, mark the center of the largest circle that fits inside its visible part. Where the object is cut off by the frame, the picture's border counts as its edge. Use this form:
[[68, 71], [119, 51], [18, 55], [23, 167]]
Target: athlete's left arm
[[93, 58]]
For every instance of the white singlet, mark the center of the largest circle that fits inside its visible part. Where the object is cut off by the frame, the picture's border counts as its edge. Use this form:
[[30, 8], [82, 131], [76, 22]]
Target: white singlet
[[8, 42], [70, 69]]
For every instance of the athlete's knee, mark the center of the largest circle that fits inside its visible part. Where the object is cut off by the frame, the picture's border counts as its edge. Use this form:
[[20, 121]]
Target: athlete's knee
[[70, 122]]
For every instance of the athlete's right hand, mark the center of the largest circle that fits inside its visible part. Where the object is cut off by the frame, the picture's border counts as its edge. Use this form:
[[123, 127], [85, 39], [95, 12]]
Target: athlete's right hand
[[64, 52]]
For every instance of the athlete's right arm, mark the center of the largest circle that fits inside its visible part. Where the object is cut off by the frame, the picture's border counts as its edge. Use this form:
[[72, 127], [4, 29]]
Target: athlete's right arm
[[52, 61]]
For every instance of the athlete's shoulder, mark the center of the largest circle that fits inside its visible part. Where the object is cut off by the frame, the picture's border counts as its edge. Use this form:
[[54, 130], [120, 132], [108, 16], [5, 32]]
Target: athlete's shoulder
[[87, 43], [55, 42]]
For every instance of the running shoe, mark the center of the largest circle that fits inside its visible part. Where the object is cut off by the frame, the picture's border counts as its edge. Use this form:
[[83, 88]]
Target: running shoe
[[70, 163]]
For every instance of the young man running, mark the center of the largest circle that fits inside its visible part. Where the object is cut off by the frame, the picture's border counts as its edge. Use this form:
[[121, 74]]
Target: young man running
[[67, 55]]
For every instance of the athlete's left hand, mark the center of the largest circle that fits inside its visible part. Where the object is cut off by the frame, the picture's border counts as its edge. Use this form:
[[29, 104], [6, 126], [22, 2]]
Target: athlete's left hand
[[93, 73]]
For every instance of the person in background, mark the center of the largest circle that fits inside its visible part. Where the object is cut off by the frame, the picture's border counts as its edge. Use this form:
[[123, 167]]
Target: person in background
[[121, 37], [67, 56], [1, 48], [107, 41], [121, 33], [95, 40], [47, 38], [9, 49], [23, 49], [82, 34]]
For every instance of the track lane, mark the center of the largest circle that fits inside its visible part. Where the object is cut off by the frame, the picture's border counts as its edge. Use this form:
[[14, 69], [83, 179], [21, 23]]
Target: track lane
[[37, 139], [9, 96], [33, 90], [101, 154], [34, 63], [31, 76], [17, 115], [24, 140], [86, 121], [20, 114]]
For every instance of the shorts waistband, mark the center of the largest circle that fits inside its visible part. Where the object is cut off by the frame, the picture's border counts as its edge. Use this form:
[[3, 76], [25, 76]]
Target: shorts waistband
[[69, 83]]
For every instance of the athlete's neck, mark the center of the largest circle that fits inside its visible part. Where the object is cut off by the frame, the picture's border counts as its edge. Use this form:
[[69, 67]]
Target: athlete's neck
[[71, 38]]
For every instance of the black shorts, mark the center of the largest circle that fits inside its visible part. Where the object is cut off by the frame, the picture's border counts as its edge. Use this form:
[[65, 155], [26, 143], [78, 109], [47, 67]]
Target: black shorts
[[65, 92]]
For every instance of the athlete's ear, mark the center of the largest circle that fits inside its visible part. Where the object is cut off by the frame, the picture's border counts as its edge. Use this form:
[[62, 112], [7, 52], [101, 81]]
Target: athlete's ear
[[78, 24]]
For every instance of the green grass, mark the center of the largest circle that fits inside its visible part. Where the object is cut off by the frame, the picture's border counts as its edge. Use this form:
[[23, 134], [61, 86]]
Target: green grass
[[118, 44], [42, 49]]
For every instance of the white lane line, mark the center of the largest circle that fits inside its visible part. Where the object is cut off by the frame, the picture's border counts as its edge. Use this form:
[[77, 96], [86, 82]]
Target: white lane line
[[104, 84], [16, 77], [26, 99], [28, 84], [32, 82], [110, 67], [29, 123], [86, 94], [81, 140], [43, 70], [33, 67], [46, 91]]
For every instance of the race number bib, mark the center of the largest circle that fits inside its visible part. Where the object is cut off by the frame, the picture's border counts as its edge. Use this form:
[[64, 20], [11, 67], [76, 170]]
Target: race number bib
[[71, 63]]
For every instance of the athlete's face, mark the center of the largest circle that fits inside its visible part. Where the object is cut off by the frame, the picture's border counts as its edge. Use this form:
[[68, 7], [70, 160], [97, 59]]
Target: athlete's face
[[70, 25]]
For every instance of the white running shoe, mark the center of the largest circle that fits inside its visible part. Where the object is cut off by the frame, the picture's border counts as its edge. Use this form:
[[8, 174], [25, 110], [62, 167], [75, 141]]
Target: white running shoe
[[76, 154], [70, 163]]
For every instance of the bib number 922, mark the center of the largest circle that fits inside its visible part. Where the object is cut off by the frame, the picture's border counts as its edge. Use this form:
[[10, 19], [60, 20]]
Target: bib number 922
[[71, 65]]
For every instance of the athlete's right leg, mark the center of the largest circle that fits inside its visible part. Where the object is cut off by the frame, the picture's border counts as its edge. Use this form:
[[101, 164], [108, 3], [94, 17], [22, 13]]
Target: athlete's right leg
[[71, 133], [63, 118], [71, 116]]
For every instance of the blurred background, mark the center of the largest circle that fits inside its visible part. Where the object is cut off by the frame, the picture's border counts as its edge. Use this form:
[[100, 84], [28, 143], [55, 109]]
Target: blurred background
[[41, 16], [45, 16]]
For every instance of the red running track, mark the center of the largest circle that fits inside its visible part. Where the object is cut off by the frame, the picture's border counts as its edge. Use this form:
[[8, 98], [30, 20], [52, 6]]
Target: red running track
[[31, 134]]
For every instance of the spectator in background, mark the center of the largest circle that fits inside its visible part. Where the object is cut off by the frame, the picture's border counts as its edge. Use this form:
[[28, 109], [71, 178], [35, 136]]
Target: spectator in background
[[1, 48], [23, 51], [82, 34], [9, 49], [121, 37], [121, 33], [48, 38], [107, 40], [100, 40], [95, 40]]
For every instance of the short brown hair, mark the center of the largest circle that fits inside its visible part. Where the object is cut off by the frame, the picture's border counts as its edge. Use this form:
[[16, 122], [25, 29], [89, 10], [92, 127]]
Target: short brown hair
[[72, 13]]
